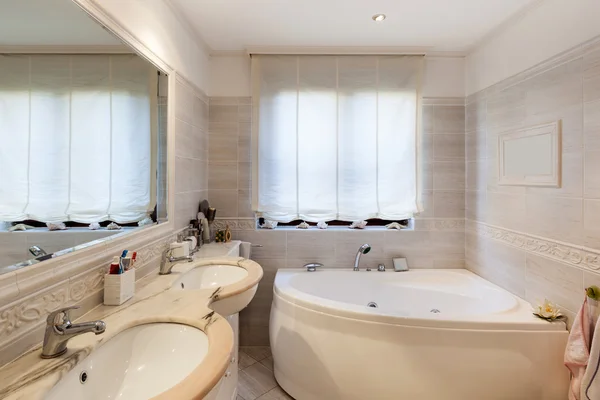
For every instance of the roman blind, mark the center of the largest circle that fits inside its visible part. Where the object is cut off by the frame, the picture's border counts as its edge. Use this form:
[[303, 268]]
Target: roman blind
[[75, 138], [336, 137]]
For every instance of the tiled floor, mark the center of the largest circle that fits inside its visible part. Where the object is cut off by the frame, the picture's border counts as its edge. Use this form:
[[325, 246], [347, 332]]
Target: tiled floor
[[256, 380]]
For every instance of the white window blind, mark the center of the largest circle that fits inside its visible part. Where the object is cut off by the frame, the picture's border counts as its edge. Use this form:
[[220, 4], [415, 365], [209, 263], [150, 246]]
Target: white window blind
[[336, 137], [75, 138]]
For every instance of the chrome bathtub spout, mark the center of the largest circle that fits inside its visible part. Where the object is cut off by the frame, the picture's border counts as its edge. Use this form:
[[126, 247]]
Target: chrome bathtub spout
[[37, 251], [167, 262], [58, 333], [364, 249]]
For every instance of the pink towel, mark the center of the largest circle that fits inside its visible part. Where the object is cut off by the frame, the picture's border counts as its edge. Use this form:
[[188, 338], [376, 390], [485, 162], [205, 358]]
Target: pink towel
[[577, 352]]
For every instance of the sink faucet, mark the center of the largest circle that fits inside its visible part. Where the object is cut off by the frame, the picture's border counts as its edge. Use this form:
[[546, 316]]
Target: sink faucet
[[167, 262], [58, 334], [364, 249]]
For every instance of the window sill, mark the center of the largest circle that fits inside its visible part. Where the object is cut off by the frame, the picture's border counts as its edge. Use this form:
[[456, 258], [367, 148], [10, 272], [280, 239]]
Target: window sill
[[338, 228]]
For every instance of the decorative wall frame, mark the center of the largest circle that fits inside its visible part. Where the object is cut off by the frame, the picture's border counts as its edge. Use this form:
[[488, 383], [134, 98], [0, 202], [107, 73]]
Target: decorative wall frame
[[531, 156]]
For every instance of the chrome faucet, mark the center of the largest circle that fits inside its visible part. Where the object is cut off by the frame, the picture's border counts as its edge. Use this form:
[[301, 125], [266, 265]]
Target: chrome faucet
[[364, 249], [167, 262], [37, 251], [58, 333]]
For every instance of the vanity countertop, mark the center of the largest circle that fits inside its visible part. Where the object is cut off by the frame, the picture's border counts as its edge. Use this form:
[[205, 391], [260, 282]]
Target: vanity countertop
[[31, 377]]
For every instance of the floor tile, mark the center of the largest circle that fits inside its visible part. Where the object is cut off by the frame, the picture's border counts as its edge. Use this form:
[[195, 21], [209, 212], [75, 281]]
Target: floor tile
[[245, 360], [268, 362], [257, 352], [255, 381], [276, 394]]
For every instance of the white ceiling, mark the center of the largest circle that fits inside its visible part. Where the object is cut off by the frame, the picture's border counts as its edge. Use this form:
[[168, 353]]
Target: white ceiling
[[441, 25], [49, 22]]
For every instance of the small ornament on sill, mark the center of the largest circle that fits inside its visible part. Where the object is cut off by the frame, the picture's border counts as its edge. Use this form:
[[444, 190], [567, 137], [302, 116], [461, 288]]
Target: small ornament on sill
[[113, 226], [146, 221], [220, 236], [19, 227], [358, 225], [303, 225], [56, 226], [322, 225], [547, 311], [94, 226], [269, 225], [593, 292], [395, 225]]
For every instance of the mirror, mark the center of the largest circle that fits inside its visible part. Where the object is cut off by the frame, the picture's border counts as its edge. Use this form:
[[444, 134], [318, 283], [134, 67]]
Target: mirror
[[83, 134]]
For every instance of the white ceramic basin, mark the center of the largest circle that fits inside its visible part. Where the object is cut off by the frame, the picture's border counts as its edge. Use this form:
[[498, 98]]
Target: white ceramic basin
[[138, 363], [218, 276]]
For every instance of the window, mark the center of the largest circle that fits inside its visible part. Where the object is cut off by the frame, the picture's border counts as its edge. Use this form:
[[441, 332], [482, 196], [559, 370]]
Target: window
[[336, 137], [75, 138]]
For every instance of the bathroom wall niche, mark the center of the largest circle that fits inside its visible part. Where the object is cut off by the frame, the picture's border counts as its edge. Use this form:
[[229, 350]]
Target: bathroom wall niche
[[83, 131], [530, 156]]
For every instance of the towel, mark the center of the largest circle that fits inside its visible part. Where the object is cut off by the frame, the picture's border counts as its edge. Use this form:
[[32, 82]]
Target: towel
[[590, 385], [577, 353]]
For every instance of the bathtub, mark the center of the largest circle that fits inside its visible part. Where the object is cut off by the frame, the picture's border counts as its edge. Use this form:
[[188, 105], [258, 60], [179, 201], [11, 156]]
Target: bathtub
[[417, 335]]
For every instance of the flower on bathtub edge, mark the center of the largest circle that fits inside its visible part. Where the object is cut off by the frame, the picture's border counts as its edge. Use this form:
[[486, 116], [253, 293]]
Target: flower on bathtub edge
[[547, 311]]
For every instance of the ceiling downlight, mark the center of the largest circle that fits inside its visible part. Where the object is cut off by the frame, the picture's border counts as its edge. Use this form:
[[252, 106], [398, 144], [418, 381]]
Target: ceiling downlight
[[379, 17]]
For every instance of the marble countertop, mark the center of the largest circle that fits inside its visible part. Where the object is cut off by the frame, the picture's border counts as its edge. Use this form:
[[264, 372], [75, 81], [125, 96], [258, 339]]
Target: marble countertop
[[31, 377]]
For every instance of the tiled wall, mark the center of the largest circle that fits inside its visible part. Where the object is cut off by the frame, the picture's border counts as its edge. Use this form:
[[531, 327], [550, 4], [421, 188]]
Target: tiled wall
[[529, 239], [437, 242], [191, 153]]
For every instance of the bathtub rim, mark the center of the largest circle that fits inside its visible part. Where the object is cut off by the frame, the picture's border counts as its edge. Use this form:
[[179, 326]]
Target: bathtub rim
[[520, 318]]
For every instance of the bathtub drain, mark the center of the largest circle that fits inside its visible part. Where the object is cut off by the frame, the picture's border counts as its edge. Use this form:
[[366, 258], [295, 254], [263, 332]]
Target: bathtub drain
[[435, 311], [372, 304]]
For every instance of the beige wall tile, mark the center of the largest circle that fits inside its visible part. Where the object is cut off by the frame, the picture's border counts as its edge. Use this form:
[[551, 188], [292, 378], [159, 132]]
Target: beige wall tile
[[591, 75], [222, 175], [244, 113], [449, 119], [218, 113], [592, 175], [184, 141], [244, 176], [571, 183], [273, 242], [228, 128], [244, 149], [183, 174], [449, 175], [591, 125], [427, 119], [558, 282], [225, 201], [477, 175], [506, 109], [591, 223], [448, 204], [223, 101], [505, 266], [475, 146], [223, 148], [449, 147], [347, 243], [427, 200], [476, 205], [475, 115], [427, 147], [506, 210], [245, 128], [427, 176], [311, 244], [555, 89], [185, 103], [245, 204]]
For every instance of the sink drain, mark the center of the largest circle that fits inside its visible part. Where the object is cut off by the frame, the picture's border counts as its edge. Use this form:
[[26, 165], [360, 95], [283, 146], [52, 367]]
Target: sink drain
[[435, 311], [372, 304], [83, 376], [182, 285]]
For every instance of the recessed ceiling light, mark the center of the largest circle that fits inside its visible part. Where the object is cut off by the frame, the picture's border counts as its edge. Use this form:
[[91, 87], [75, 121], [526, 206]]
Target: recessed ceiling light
[[378, 17]]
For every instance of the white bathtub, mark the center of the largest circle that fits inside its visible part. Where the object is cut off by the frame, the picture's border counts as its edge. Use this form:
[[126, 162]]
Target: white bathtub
[[436, 334]]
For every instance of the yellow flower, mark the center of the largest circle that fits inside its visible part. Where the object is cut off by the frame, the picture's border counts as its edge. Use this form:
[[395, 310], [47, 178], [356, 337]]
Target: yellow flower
[[547, 311]]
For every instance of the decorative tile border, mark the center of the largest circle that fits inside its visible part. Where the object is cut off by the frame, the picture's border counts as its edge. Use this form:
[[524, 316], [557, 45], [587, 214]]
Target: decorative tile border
[[568, 253]]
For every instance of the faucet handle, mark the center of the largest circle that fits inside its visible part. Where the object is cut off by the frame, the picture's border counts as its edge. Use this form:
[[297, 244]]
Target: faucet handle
[[51, 320]]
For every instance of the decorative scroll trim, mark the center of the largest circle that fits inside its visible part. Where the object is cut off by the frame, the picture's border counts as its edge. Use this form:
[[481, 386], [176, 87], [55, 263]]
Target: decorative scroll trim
[[235, 224], [568, 253]]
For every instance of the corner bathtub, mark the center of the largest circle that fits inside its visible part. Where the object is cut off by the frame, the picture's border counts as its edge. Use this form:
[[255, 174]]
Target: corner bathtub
[[436, 334]]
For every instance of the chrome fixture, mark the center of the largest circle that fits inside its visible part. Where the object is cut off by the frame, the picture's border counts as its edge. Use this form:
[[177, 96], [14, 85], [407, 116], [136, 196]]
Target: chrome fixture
[[37, 251], [58, 334], [167, 262], [372, 304], [364, 249], [381, 268], [312, 267]]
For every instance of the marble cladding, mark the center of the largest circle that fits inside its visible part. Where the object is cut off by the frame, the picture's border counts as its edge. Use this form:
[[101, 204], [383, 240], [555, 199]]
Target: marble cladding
[[437, 242], [567, 217], [29, 294]]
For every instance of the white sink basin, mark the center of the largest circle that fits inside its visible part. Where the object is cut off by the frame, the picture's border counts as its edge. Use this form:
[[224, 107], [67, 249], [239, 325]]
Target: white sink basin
[[218, 276], [138, 363]]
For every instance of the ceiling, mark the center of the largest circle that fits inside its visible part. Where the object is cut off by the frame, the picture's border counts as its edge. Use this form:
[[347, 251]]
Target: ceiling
[[439, 25], [49, 23]]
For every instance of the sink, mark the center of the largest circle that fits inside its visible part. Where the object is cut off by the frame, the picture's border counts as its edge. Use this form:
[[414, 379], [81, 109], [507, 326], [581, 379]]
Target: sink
[[138, 363], [219, 276]]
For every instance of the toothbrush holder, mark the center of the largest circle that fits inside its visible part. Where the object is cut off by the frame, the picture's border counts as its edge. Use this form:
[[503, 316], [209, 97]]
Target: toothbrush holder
[[118, 288]]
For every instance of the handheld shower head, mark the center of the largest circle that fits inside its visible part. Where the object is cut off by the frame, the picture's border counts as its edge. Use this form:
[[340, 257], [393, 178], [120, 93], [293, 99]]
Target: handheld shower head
[[365, 248]]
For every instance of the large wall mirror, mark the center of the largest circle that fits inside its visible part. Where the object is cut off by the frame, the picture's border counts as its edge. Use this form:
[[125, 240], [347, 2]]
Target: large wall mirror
[[83, 134]]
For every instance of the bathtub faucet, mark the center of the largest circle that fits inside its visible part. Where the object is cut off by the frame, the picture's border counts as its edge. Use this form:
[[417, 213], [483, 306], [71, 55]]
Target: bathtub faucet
[[364, 249]]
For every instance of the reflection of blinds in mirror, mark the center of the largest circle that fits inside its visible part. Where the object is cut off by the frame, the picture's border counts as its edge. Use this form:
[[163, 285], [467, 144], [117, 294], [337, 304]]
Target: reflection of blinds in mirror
[[75, 138]]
